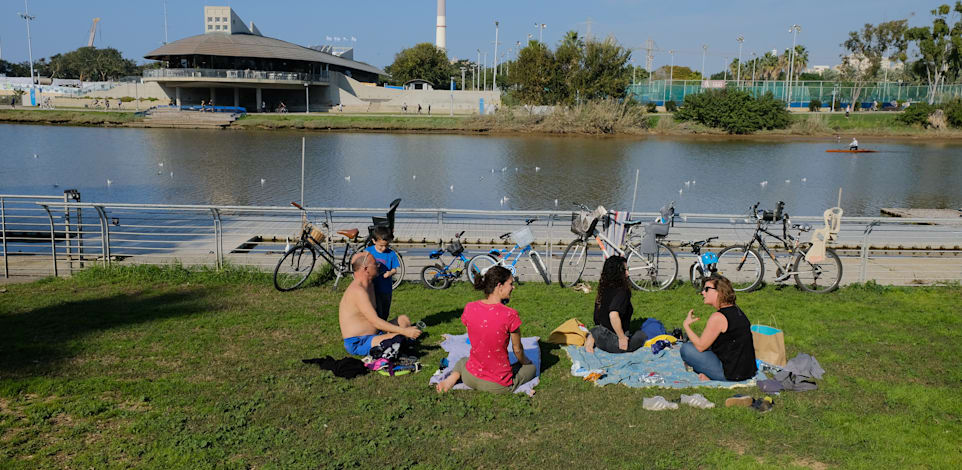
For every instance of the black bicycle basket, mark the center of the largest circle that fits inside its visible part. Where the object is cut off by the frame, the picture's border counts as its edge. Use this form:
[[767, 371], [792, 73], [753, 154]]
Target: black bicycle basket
[[455, 248]]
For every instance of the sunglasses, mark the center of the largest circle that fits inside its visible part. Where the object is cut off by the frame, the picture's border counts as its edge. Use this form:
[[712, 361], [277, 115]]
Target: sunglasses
[[707, 288]]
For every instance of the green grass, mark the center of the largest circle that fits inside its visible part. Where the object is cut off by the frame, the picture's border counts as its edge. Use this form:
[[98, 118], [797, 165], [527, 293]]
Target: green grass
[[169, 368], [79, 118], [338, 121]]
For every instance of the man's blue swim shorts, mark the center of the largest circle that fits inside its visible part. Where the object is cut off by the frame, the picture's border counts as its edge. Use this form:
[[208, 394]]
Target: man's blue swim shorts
[[358, 345]]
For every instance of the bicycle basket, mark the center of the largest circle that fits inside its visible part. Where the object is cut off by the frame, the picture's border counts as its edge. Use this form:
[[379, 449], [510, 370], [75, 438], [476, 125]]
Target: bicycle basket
[[314, 233], [523, 237], [581, 223], [455, 248]]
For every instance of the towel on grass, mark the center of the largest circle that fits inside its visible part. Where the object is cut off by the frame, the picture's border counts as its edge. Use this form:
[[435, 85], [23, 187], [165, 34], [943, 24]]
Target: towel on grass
[[641, 369], [457, 347]]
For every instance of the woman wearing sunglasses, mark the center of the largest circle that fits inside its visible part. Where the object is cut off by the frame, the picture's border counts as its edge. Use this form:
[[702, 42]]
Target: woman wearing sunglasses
[[724, 350], [613, 311]]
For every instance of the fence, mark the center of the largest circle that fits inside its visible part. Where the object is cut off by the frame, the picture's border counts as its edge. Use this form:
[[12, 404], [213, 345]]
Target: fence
[[50, 236], [321, 76], [802, 92]]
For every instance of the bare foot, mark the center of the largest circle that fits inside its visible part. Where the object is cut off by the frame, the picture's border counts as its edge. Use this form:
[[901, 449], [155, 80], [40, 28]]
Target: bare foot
[[446, 384], [703, 377], [590, 344]]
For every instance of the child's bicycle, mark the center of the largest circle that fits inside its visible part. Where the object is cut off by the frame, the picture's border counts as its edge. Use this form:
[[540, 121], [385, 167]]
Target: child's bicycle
[[440, 276], [315, 242], [705, 263], [523, 239]]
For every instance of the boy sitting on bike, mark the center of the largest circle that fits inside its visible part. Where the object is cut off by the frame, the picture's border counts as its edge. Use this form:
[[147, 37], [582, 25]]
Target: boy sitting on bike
[[360, 325], [387, 265]]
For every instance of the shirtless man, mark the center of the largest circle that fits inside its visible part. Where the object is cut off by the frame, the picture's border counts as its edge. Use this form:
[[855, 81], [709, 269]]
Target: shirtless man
[[361, 328]]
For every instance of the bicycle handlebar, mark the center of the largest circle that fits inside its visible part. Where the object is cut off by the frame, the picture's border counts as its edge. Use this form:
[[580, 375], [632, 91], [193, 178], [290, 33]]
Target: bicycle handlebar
[[459, 234], [298, 206]]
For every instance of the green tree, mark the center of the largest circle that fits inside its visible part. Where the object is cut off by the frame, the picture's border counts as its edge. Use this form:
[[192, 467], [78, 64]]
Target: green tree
[[866, 50], [531, 75], [423, 61], [605, 71], [677, 72], [939, 47]]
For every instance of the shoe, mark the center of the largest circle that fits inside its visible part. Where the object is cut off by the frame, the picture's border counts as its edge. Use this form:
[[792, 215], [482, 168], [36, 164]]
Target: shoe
[[763, 405], [658, 403], [740, 400], [697, 400]]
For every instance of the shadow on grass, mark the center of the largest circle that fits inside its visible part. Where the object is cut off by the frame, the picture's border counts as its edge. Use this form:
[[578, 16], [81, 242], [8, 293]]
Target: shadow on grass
[[442, 317], [39, 341], [549, 360]]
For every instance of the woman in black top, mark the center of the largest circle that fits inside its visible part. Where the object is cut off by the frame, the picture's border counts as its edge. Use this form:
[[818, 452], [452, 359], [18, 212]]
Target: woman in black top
[[724, 351], [613, 311]]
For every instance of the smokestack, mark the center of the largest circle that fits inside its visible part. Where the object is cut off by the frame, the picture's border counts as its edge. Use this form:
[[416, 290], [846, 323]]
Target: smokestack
[[441, 35]]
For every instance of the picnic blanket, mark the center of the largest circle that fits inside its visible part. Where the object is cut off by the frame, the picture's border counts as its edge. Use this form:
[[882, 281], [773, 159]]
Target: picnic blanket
[[457, 347], [641, 369]]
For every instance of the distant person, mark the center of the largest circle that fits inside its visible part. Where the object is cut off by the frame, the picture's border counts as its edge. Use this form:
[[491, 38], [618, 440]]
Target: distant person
[[202, 104], [211, 104], [491, 325], [854, 144], [340, 107], [387, 266], [848, 108], [419, 108], [13, 101], [429, 110], [361, 328], [724, 350], [263, 106], [107, 104], [404, 107]]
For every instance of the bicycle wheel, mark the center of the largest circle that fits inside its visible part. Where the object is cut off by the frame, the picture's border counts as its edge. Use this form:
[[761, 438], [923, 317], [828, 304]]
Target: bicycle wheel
[[294, 267], [434, 277], [652, 272], [478, 265], [539, 266], [697, 278], [399, 274], [573, 263], [742, 266], [820, 277]]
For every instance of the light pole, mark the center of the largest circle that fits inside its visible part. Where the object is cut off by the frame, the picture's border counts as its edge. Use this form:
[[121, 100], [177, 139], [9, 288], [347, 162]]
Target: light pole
[[495, 86], [463, 69], [26, 16], [541, 27], [795, 29], [740, 39], [477, 74], [633, 70], [704, 52], [307, 98], [754, 60], [671, 72], [484, 73]]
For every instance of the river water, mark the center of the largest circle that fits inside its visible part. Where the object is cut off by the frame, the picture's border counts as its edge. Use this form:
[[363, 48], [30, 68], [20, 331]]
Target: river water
[[474, 172]]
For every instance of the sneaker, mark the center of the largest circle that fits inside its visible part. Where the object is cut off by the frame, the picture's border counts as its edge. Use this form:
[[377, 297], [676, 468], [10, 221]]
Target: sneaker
[[697, 400], [658, 403], [740, 400]]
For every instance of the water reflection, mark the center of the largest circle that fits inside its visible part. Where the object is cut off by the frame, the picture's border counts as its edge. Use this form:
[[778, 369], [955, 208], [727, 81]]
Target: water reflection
[[226, 167]]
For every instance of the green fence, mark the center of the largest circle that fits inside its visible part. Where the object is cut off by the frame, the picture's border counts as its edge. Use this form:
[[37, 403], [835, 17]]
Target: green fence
[[802, 92]]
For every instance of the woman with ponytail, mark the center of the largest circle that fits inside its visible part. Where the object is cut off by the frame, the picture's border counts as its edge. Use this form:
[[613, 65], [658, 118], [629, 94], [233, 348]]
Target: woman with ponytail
[[491, 323], [613, 311]]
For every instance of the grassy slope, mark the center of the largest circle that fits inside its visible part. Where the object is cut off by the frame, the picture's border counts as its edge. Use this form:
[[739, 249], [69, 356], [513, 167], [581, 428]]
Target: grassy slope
[[83, 118], [334, 121], [162, 368]]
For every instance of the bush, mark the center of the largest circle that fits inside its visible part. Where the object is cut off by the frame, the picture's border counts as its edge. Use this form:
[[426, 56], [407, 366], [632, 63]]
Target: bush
[[953, 112], [671, 106], [917, 114], [815, 106], [126, 99], [651, 107], [734, 111]]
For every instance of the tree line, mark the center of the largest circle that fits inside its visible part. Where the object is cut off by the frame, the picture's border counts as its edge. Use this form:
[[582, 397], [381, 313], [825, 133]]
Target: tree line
[[85, 64]]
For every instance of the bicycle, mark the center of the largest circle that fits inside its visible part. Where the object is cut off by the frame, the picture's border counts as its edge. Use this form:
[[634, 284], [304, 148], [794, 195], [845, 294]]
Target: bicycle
[[705, 263], [523, 238], [743, 265], [440, 276], [315, 242], [652, 265]]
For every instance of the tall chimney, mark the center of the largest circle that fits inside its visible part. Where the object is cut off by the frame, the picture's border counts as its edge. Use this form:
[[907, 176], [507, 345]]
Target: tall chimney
[[441, 35]]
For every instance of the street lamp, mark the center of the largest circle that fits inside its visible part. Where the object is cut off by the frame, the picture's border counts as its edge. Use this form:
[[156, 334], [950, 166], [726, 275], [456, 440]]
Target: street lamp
[[541, 27], [740, 39], [795, 29], [477, 74], [704, 51], [484, 73], [754, 60], [495, 86], [463, 69], [671, 72], [26, 16], [307, 98]]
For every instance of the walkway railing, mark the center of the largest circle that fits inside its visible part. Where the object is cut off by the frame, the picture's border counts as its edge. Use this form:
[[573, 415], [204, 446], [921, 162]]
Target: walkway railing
[[887, 250], [230, 74]]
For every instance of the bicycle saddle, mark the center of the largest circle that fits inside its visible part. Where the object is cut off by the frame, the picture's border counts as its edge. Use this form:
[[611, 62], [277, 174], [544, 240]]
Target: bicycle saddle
[[633, 223], [802, 227], [350, 234]]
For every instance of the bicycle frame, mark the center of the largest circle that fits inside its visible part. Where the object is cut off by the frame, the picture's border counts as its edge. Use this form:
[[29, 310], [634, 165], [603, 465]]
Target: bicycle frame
[[791, 248], [502, 256], [447, 271]]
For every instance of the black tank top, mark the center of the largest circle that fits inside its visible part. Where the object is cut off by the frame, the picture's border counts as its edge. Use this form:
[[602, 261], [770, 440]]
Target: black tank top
[[734, 347]]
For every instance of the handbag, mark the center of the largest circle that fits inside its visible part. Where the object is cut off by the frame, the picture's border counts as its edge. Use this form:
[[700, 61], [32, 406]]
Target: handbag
[[769, 344]]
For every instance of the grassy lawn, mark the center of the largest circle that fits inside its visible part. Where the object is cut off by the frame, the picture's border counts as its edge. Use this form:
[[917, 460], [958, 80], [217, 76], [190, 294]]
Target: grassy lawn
[[162, 368], [351, 121], [82, 118]]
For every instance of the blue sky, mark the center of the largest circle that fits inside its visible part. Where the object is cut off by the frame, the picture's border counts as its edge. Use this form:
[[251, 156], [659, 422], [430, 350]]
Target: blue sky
[[382, 28]]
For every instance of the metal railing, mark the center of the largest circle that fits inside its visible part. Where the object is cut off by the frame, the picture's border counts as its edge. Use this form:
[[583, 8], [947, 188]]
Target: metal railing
[[887, 250], [230, 74]]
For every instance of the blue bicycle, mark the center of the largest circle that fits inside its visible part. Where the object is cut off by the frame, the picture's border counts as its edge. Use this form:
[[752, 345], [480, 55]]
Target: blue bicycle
[[705, 263], [440, 276], [523, 239]]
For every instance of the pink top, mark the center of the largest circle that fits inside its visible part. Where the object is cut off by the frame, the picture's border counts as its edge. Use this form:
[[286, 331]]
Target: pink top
[[489, 330]]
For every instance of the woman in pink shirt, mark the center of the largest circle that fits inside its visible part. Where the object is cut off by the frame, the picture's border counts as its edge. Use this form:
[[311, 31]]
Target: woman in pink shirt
[[490, 325]]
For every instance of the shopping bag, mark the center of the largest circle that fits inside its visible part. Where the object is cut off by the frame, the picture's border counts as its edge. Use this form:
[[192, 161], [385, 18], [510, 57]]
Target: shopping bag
[[769, 344], [569, 332]]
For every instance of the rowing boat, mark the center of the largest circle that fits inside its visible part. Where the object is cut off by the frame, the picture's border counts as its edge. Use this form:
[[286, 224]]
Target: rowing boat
[[851, 151]]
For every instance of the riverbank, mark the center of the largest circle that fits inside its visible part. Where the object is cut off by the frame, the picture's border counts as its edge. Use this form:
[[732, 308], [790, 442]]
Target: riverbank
[[165, 367], [881, 124]]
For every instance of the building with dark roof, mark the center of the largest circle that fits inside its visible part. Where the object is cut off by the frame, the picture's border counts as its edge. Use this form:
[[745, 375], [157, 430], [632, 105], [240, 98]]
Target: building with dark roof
[[234, 64]]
